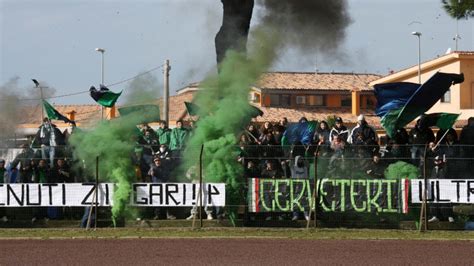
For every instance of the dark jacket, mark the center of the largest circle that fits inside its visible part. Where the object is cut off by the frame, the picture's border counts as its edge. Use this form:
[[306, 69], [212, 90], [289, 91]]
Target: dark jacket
[[363, 134], [43, 136], [62, 175], [342, 131], [158, 173], [421, 136]]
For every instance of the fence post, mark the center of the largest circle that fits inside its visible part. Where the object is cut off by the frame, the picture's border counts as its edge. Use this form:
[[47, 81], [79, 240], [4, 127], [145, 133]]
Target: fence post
[[424, 206], [200, 191], [200, 185], [97, 191], [95, 197], [315, 191]]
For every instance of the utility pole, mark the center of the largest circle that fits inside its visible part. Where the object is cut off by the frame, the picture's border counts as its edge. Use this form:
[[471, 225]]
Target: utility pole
[[166, 90]]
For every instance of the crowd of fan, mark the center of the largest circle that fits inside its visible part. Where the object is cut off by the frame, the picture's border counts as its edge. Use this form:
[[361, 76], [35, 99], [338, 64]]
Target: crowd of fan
[[344, 153], [341, 153]]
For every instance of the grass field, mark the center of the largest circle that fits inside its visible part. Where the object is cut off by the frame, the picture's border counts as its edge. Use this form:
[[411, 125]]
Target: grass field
[[283, 233]]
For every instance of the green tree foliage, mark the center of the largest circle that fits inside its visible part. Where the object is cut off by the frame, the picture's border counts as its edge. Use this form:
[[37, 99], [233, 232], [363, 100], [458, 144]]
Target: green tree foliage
[[459, 9]]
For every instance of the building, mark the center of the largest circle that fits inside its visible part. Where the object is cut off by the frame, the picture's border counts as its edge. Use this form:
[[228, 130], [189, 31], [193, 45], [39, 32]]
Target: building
[[460, 97], [315, 96]]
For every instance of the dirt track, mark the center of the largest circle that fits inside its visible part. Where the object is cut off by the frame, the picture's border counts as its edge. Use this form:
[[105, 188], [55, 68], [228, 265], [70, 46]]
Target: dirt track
[[234, 251]]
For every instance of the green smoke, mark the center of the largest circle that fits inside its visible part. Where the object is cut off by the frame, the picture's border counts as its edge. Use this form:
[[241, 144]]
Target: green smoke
[[114, 142], [225, 111], [402, 169]]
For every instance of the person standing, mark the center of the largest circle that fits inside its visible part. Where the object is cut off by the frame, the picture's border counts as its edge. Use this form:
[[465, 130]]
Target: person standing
[[160, 174], [178, 139], [419, 136], [163, 133], [48, 138], [440, 211]]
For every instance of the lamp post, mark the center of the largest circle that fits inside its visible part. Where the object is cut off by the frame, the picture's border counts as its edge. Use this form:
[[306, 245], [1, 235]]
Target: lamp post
[[38, 85], [101, 51], [418, 34]]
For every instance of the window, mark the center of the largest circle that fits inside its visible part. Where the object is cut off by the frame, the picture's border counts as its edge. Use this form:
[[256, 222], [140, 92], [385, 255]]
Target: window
[[446, 97], [254, 97], [317, 100], [285, 100], [274, 100], [346, 101], [301, 100], [370, 102]]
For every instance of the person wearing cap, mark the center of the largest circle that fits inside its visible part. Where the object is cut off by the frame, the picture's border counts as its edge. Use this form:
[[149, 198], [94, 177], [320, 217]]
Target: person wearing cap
[[338, 130]]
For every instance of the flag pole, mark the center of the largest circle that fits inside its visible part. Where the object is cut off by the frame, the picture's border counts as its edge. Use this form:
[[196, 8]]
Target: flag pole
[[439, 141], [250, 134]]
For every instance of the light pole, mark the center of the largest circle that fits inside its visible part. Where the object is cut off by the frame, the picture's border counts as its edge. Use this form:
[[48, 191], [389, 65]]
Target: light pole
[[37, 85], [101, 51], [418, 34]]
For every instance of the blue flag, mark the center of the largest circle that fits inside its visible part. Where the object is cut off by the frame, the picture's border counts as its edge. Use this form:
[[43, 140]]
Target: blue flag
[[299, 133], [400, 103]]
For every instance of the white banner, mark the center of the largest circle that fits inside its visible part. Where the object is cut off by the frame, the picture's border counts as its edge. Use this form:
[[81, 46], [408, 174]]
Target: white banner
[[83, 194], [443, 190]]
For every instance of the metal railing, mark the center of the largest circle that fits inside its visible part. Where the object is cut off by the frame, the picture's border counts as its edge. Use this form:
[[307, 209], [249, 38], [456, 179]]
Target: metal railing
[[357, 186]]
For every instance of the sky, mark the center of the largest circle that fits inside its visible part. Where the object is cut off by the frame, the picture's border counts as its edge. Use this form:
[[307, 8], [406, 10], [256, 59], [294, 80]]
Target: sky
[[54, 41]]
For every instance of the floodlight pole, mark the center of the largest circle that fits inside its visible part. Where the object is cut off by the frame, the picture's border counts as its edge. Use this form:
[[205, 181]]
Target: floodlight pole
[[101, 51]]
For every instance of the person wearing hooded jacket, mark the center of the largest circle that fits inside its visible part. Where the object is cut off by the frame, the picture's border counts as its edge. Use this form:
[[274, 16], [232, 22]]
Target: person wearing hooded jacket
[[364, 138], [362, 133]]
